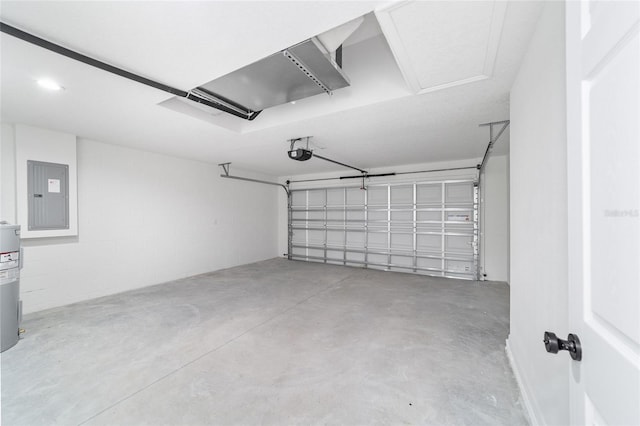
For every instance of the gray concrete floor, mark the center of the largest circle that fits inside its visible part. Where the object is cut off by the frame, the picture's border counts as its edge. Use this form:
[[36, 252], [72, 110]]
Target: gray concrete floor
[[275, 342]]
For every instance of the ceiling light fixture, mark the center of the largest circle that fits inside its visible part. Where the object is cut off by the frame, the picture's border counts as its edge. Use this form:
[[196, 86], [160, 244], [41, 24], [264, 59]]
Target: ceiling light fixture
[[49, 84]]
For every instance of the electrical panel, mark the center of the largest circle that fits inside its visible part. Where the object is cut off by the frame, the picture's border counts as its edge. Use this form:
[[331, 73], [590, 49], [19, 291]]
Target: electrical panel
[[48, 195]]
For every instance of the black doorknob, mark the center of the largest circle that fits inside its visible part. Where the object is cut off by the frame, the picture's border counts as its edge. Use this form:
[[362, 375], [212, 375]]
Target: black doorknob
[[553, 345]]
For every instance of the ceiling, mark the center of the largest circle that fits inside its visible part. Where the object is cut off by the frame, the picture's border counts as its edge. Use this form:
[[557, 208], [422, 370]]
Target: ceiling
[[421, 82]]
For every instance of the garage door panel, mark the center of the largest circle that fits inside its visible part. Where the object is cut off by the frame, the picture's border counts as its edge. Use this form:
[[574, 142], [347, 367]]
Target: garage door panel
[[298, 199], [315, 215], [458, 193], [429, 263], [377, 195], [377, 240], [459, 266], [378, 258], [335, 197], [335, 254], [355, 215], [429, 242], [299, 236], [423, 227], [316, 198], [355, 197], [356, 258], [401, 242], [402, 216], [402, 261], [335, 237], [335, 215], [402, 194], [429, 193], [377, 228], [355, 239], [461, 216], [429, 216], [315, 252], [429, 229], [458, 243], [377, 217], [315, 237], [460, 231], [300, 251], [298, 215]]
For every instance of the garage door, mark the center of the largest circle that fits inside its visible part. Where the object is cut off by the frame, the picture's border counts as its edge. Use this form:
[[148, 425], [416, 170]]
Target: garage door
[[421, 227]]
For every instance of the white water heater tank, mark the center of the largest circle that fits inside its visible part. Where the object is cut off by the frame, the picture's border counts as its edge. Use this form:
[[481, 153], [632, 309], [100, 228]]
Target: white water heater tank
[[10, 264]]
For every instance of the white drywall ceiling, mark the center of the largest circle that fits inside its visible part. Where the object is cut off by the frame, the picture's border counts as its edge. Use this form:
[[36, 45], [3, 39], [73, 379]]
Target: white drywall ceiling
[[435, 51], [185, 44]]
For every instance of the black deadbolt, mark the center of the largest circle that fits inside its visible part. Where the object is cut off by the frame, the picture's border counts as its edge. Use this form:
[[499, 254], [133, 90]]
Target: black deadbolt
[[552, 344]]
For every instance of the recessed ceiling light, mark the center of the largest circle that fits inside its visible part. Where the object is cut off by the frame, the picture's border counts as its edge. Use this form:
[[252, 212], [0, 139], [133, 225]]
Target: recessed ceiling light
[[293, 102], [49, 84]]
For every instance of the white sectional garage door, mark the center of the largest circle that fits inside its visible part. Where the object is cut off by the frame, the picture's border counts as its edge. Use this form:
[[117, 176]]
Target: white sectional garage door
[[422, 227]]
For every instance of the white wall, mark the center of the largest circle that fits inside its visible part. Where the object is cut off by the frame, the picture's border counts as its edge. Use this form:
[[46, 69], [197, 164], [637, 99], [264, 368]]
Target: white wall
[[7, 173], [145, 219], [497, 201], [538, 195], [495, 218], [33, 143]]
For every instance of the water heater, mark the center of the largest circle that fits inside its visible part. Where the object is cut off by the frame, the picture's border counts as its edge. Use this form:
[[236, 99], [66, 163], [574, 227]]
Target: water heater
[[10, 264]]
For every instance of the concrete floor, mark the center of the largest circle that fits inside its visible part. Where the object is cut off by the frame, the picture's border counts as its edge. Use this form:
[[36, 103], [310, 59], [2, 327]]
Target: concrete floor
[[275, 342]]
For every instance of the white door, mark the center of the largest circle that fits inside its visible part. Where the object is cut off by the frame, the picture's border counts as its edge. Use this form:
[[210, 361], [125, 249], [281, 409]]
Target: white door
[[603, 119]]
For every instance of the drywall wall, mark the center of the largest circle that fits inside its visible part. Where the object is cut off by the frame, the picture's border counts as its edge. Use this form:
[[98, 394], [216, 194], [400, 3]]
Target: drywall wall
[[538, 199], [495, 218], [498, 203], [7, 173], [33, 143], [145, 219]]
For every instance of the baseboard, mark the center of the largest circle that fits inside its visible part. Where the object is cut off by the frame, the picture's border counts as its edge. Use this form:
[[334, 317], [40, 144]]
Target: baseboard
[[529, 404]]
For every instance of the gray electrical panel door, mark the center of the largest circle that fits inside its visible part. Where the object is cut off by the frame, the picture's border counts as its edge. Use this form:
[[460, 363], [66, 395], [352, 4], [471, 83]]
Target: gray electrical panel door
[[48, 187]]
